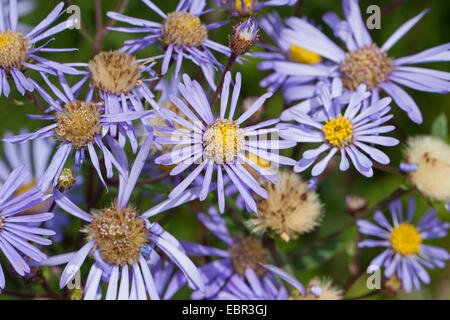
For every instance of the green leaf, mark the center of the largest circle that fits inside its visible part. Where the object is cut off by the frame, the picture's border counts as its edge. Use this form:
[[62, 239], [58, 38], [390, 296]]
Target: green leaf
[[439, 128], [319, 256]]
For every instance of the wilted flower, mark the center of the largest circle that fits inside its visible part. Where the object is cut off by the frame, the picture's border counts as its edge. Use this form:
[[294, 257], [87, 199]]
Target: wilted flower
[[431, 157], [290, 209], [121, 82]]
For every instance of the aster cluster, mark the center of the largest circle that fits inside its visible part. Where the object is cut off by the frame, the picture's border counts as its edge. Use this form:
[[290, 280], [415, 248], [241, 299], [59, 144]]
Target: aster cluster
[[138, 135]]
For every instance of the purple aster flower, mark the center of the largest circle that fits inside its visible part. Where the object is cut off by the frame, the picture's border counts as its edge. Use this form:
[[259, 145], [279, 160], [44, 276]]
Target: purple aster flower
[[348, 131], [381, 72], [35, 156], [219, 143], [406, 255], [15, 232], [181, 34], [244, 8], [121, 241], [17, 49], [293, 87], [78, 125], [242, 253], [251, 287]]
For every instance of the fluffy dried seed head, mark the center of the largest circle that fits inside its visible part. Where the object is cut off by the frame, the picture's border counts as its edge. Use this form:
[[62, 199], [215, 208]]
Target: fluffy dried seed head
[[184, 29], [79, 123], [320, 289], [368, 65], [247, 252], [119, 234], [290, 209], [14, 48], [222, 141], [432, 156], [114, 71]]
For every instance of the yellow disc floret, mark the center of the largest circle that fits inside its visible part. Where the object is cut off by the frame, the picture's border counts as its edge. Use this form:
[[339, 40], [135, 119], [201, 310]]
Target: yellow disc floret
[[119, 234], [14, 47], [79, 123], [223, 141], [338, 132], [184, 29], [248, 5], [405, 239], [301, 55]]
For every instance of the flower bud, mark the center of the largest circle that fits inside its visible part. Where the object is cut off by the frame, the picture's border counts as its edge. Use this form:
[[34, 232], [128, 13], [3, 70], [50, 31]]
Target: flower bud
[[392, 285], [355, 204], [243, 37], [66, 180]]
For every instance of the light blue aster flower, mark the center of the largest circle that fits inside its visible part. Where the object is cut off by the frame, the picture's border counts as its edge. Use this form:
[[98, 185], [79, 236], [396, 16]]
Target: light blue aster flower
[[406, 255], [182, 35], [18, 49], [349, 131], [122, 241], [16, 234], [381, 73]]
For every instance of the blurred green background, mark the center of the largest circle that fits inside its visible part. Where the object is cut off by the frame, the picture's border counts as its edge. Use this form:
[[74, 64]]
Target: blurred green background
[[333, 260]]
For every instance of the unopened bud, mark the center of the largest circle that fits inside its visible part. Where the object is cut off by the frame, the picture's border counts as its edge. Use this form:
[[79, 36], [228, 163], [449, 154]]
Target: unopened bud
[[355, 204], [392, 285], [66, 180], [76, 294], [244, 36]]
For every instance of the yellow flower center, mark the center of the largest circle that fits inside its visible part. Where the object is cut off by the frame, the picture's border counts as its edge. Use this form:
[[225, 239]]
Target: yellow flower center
[[223, 141], [39, 208], [25, 187], [184, 29], [405, 239], [338, 131], [119, 235], [248, 6], [368, 65], [301, 55], [247, 252], [114, 71], [79, 123], [14, 47]]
